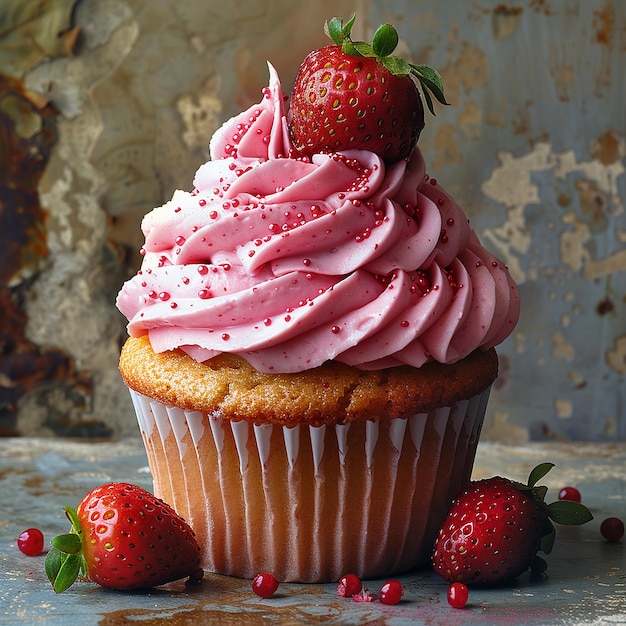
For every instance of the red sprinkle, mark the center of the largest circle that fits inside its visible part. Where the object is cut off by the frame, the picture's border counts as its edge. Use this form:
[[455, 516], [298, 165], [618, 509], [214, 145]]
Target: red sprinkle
[[30, 542], [570, 493], [391, 592], [612, 529], [264, 585], [349, 585], [457, 595]]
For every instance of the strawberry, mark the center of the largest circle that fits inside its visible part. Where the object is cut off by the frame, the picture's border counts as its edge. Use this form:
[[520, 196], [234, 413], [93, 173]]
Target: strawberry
[[358, 95], [123, 537], [495, 527]]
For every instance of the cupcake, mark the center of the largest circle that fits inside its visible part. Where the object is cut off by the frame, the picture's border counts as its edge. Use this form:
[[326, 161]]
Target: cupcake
[[311, 350]]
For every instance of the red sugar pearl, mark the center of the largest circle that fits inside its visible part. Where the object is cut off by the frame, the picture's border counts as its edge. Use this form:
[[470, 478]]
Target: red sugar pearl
[[570, 493], [391, 592], [264, 585], [612, 529], [457, 595], [349, 585], [30, 542]]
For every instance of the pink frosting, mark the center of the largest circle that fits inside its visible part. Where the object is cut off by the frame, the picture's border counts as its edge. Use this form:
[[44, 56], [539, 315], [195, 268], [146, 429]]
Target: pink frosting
[[291, 263]]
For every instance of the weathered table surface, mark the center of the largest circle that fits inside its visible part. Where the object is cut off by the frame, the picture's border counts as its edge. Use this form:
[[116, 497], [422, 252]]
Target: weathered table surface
[[586, 581]]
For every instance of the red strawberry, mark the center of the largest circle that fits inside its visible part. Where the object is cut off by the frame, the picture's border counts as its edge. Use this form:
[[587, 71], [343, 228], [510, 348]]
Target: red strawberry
[[356, 95], [123, 537], [496, 526]]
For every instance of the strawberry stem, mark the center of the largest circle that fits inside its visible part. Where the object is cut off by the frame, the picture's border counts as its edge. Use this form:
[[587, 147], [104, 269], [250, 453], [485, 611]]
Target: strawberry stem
[[384, 42]]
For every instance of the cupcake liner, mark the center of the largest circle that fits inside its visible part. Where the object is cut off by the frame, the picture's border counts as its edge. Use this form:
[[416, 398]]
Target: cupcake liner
[[310, 503]]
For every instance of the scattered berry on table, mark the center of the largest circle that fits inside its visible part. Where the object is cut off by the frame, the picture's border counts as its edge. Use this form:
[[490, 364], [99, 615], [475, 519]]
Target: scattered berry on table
[[495, 527], [458, 594], [123, 537], [265, 585], [348, 585], [30, 541], [391, 592], [570, 493], [612, 529]]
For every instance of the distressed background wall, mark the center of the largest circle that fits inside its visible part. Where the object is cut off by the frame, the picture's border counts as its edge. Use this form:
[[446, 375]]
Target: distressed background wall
[[106, 106]]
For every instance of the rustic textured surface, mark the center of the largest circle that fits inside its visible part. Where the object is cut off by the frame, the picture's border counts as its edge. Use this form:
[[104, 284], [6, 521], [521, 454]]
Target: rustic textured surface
[[134, 90], [532, 147]]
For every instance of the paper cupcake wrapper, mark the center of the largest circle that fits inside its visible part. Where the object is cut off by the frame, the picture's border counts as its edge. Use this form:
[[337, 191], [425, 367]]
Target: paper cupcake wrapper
[[311, 503]]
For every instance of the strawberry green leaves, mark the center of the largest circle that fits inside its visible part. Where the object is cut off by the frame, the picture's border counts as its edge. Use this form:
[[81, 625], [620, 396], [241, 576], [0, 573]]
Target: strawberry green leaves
[[538, 473], [65, 561], [564, 512], [384, 42], [338, 31], [62, 569], [569, 513]]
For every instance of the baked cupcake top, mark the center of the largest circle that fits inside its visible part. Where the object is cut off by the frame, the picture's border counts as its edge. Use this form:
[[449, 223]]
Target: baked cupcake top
[[290, 261], [333, 393]]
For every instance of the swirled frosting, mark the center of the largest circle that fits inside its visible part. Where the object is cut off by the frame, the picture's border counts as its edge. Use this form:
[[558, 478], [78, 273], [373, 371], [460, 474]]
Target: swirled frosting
[[290, 262]]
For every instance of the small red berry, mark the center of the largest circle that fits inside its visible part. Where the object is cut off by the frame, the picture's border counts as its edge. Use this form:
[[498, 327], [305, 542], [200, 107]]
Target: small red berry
[[457, 595], [570, 493], [30, 542], [391, 592], [349, 585], [612, 529], [264, 585]]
